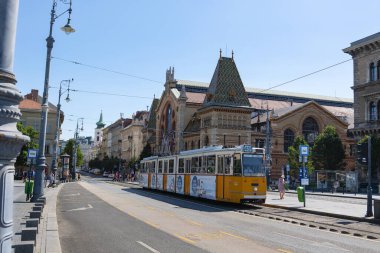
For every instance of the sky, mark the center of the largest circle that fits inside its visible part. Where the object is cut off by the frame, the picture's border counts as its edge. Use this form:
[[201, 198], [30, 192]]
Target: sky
[[274, 41]]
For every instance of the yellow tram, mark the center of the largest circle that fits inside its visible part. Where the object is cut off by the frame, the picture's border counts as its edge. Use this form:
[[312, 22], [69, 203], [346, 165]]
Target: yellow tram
[[225, 174]]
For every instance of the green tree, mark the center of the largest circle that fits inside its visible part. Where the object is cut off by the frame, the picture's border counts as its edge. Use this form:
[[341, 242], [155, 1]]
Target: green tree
[[328, 151], [32, 144], [69, 149], [293, 157]]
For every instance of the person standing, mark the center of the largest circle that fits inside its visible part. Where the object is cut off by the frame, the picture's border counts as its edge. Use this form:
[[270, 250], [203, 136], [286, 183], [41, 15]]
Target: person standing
[[281, 186]]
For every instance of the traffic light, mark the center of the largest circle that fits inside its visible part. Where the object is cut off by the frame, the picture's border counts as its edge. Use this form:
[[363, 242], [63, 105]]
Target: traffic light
[[362, 153]]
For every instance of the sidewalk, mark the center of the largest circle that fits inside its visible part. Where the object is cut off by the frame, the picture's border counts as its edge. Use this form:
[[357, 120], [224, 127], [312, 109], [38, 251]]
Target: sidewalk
[[334, 205], [47, 240]]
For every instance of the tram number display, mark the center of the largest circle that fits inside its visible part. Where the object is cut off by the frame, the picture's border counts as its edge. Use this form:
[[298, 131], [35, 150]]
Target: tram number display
[[203, 186]]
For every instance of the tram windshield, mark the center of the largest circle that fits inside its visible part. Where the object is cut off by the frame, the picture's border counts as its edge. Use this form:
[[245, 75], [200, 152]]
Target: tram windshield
[[253, 165]]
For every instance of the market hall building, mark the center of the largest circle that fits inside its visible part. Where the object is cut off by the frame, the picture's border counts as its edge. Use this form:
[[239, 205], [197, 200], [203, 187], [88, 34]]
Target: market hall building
[[190, 115]]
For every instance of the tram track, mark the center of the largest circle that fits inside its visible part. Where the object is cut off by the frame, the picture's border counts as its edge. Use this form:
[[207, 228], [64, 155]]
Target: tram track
[[326, 223]]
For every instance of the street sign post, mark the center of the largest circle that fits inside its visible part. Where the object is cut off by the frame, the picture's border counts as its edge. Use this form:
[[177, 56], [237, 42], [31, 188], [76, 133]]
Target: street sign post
[[32, 156], [303, 175]]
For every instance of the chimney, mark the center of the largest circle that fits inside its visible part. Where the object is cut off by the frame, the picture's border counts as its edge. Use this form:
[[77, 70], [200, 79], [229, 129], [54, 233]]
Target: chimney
[[33, 95]]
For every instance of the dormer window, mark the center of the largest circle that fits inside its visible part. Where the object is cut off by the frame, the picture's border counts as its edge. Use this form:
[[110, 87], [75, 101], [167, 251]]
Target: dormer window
[[372, 72]]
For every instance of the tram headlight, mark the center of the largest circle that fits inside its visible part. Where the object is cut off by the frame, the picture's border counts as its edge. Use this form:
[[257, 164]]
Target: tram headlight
[[255, 189]]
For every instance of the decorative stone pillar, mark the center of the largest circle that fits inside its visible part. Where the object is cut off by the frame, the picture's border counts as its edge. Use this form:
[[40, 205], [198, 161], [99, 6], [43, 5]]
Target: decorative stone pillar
[[11, 140]]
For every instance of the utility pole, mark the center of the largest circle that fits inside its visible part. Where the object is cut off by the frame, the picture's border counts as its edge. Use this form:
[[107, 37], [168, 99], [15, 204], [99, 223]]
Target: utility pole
[[369, 175], [76, 136], [267, 148]]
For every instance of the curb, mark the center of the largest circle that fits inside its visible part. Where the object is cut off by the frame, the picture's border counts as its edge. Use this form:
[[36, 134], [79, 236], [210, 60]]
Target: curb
[[334, 215]]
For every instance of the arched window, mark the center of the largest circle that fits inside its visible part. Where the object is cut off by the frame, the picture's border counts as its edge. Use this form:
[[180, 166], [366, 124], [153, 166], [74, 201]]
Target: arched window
[[310, 130], [169, 119], [372, 111], [288, 139], [206, 140], [372, 72], [378, 70]]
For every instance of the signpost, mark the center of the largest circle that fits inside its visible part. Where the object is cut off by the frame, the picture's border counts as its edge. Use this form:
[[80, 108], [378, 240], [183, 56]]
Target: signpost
[[304, 179], [32, 155]]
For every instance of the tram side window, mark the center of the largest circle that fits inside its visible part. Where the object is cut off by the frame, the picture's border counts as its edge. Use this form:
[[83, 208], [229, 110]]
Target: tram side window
[[152, 167], [237, 165], [166, 166], [220, 164], [202, 164], [194, 165], [211, 164], [181, 166], [188, 165], [227, 165], [142, 166], [159, 166], [171, 166]]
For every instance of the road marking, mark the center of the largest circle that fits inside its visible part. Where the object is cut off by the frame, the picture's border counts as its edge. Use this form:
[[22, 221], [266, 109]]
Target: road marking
[[185, 239], [74, 194], [284, 250], [194, 223], [151, 224], [80, 208], [232, 235], [148, 247]]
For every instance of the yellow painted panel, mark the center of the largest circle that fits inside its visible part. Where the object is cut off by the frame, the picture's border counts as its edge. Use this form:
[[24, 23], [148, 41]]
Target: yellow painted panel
[[164, 179], [149, 180], [219, 187], [187, 184]]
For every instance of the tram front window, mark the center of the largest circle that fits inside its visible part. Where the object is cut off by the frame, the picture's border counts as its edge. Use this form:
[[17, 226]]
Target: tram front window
[[253, 165]]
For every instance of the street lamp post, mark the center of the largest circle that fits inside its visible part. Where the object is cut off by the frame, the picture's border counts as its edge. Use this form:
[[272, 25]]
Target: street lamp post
[[38, 189], [76, 136], [11, 140], [56, 138]]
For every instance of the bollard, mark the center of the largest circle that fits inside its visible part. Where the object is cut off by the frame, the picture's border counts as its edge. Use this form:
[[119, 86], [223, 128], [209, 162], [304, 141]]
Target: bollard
[[35, 214], [37, 208], [24, 247], [29, 234]]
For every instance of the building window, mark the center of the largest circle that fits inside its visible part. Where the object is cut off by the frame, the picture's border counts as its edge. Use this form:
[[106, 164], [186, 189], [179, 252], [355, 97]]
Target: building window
[[372, 111], [378, 70], [288, 139], [239, 140], [192, 144], [378, 110], [310, 130], [372, 72], [259, 143], [206, 140]]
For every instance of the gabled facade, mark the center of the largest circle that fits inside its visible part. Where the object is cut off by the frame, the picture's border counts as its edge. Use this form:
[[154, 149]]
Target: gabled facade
[[307, 120], [30, 108]]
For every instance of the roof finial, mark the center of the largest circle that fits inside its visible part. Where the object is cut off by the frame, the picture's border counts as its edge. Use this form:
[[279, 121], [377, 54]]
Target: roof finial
[[232, 54], [220, 53]]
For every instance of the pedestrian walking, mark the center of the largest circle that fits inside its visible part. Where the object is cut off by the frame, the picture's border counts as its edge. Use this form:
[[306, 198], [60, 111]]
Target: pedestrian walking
[[78, 176], [281, 186]]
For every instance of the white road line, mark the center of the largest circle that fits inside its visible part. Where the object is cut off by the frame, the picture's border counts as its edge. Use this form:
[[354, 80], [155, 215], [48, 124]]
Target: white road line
[[74, 194], [81, 208], [148, 247]]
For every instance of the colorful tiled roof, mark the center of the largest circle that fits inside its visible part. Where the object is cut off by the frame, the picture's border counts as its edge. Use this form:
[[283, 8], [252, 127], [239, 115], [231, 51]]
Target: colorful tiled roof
[[226, 87]]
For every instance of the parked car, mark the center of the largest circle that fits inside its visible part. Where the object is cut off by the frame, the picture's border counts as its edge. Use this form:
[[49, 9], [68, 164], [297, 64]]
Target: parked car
[[97, 171], [111, 175], [105, 174]]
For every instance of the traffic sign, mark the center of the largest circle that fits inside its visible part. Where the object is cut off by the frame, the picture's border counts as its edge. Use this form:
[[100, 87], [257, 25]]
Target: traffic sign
[[304, 181], [304, 150], [32, 153]]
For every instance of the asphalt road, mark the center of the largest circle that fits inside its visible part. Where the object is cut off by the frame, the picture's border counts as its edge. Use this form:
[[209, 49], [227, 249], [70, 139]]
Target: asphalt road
[[88, 224], [208, 227]]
